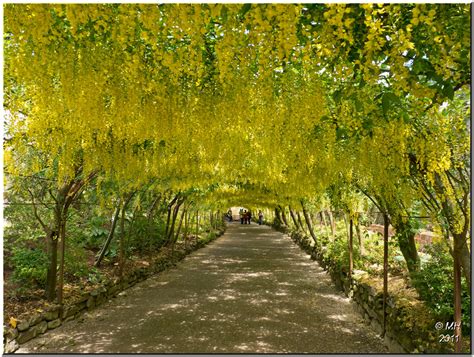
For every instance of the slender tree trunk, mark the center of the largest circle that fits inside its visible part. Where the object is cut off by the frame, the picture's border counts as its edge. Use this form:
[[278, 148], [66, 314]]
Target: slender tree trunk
[[300, 222], [292, 214], [61, 216], [346, 224], [149, 219], [197, 225], [186, 228], [122, 242], [169, 238], [283, 216], [110, 235], [406, 242], [385, 271], [183, 213], [278, 217], [464, 257], [332, 223], [351, 261], [322, 220], [53, 265], [62, 245], [359, 238], [457, 303], [170, 206], [309, 223]]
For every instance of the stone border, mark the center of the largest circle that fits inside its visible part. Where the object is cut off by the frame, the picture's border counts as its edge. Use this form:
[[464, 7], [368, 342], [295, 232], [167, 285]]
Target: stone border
[[37, 324], [369, 304]]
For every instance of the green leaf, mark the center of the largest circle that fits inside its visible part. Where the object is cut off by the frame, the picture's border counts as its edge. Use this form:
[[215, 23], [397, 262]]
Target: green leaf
[[448, 90], [389, 99]]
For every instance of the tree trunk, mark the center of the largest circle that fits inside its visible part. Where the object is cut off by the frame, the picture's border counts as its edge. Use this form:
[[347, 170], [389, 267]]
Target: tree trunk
[[62, 246], [460, 238], [169, 238], [283, 216], [61, 210], [346, 224], [110, 236], [122, 242], [53, 265], [149, 224], [170, 206], [385, 271], [351, 262], [300, 223], [406, 241], [464, 257], [219, 219], [186, 228], [457, 303], [292, 214], [332, 224], [183, 213], [278, 218], [360, 239], [197, 225], [309, 223]]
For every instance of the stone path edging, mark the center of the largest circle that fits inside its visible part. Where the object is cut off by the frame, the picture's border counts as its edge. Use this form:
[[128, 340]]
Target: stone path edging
[[39, 323]]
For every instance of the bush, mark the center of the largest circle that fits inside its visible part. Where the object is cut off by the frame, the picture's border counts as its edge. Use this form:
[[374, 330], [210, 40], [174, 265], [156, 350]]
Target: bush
[[75, 262], [30, 267], [434, 283], [95, 233]]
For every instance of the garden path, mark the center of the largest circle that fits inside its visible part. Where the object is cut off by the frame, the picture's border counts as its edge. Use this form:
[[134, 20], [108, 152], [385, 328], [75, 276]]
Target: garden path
[[251, 290]]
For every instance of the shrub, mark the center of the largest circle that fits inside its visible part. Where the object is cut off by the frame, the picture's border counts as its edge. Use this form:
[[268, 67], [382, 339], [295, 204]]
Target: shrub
[[434, 283], [75, 262], [30, 267]]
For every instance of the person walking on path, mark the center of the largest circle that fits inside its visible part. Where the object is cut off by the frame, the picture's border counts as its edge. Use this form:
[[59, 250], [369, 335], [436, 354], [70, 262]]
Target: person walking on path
[[249, 216], [260, 217], [242, 216]]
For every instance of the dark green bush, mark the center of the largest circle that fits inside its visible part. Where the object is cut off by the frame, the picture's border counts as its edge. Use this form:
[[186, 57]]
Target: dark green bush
[[30, 267], [434, 283], [75, 262]]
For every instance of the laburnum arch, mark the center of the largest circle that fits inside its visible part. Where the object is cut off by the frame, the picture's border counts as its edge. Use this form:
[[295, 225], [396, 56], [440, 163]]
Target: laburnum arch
[[266, 105]]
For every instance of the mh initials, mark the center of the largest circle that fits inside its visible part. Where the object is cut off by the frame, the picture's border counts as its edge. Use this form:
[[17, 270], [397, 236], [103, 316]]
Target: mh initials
[[452, 325]]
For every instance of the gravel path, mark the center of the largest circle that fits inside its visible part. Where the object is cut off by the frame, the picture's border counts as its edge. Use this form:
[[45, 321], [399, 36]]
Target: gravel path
[[252, 290]]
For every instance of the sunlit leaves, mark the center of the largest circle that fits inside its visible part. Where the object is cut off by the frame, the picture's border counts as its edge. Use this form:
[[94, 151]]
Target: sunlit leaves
[[280, 97]]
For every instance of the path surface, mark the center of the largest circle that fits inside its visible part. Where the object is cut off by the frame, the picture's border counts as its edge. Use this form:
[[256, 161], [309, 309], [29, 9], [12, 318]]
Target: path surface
[[252, 290]]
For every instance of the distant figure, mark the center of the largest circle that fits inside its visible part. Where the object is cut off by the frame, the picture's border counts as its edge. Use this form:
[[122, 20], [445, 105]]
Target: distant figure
[[242, 217], [260, 217], [245, 216], [249, 217], [229, 214]]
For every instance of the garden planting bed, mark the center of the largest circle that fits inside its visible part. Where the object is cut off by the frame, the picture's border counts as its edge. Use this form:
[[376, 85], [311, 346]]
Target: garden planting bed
[[34, 323], [410, 327]]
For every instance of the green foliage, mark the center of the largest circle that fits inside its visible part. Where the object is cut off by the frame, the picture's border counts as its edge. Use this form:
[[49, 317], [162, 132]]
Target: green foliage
[[338, 252], [30, 267], [207, 238], [75, 262], [95, 276], [96, 232], [146, 236], [434, 283]]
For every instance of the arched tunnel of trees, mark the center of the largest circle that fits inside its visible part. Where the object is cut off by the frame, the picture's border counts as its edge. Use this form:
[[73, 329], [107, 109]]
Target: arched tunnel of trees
[[130, 130]]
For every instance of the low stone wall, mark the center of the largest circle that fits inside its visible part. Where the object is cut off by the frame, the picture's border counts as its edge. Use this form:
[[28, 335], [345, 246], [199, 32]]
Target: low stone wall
[[399, 336], [38, 323]]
